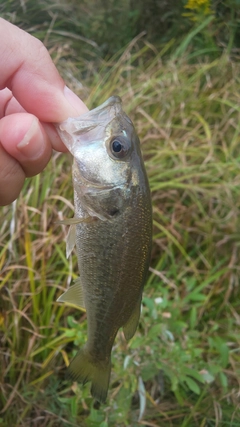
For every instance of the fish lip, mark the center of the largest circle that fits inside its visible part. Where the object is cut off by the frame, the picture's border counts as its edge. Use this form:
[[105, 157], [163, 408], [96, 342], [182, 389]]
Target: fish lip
[[110, 102]]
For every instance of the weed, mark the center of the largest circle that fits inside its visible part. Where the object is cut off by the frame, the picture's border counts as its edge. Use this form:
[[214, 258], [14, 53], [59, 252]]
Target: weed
[[182, 367]]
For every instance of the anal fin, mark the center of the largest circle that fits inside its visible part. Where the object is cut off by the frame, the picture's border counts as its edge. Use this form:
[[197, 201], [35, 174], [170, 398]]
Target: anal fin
[[130, 326], [73, 295]]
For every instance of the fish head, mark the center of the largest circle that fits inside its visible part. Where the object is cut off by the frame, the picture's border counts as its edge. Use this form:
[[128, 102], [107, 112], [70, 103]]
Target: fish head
[[104, 145]]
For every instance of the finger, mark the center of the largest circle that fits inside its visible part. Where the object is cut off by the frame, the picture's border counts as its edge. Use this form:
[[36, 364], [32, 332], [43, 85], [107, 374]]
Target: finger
[[11, 177], [23, 137], [8, 104], [53, 136], [32, 77]]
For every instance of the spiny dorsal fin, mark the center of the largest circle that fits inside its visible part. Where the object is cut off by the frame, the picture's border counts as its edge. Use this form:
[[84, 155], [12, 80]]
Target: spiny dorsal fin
[[74, 295]]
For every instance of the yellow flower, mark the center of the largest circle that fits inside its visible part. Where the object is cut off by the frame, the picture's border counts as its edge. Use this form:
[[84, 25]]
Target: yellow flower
[[199, 6]]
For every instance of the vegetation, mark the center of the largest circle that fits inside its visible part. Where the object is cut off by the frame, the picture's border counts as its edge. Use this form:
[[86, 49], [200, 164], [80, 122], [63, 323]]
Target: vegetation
[[182, 367], [103, 27]]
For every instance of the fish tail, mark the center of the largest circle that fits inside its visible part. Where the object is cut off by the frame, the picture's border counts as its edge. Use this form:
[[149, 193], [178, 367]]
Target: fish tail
[[83, 369]]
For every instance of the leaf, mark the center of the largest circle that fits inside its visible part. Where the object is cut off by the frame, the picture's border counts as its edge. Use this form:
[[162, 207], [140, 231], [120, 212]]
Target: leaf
[[193, 317], [142, 397], [196, 297], [137, 342], [224, 352], [193, 373], [149, 371], [183, 46], [223, 379], [95, 416], [192, 385], [126, 361], [208, 378], [155, 331], [69, 333]]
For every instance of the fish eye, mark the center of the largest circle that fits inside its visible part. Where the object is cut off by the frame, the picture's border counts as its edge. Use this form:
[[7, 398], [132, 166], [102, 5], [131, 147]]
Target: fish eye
[[119, 147], [116, 146]]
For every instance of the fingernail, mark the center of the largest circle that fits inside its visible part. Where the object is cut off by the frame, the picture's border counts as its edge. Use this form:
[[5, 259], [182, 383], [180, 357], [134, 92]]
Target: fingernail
[[74, 101], [33, 144]]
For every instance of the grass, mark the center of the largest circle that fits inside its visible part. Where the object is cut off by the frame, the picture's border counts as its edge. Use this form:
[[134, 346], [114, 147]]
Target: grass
[[182, 368]]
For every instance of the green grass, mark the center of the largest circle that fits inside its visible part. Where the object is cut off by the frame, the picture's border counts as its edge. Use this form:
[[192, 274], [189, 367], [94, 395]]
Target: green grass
[[184, 361]]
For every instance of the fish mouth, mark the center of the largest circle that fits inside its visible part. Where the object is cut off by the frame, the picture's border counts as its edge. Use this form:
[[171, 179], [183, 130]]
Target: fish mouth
[[100, 115]]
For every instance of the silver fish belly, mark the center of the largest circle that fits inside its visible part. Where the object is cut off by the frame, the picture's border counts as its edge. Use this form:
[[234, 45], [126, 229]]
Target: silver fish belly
[[112, 230]]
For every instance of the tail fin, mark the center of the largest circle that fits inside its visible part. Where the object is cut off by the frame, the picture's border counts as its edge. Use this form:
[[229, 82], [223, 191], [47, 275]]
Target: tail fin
[[84, 369]]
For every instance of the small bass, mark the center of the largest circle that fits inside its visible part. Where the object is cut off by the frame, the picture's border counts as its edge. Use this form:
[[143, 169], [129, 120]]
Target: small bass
[[112, 230]]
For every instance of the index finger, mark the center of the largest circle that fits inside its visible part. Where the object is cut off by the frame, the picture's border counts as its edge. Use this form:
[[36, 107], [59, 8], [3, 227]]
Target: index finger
[[33, 78]]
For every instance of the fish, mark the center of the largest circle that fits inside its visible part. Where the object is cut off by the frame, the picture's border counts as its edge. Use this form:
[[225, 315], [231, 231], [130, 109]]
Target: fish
[[112, 231]]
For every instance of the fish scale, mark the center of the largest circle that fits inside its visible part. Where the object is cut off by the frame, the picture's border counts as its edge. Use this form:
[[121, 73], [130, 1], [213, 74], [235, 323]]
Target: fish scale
[[112, 230]]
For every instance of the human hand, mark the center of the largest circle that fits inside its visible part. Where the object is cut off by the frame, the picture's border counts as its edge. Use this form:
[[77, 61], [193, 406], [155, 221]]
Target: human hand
[[32, 96]]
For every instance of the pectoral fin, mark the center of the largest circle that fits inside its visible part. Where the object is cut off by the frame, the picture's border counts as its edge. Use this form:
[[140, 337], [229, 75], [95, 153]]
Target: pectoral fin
[[74, 295], [130, 327], [71, 239]]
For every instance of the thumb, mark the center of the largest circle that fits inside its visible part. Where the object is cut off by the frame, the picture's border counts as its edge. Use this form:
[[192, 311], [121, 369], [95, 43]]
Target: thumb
[[31, 75]]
